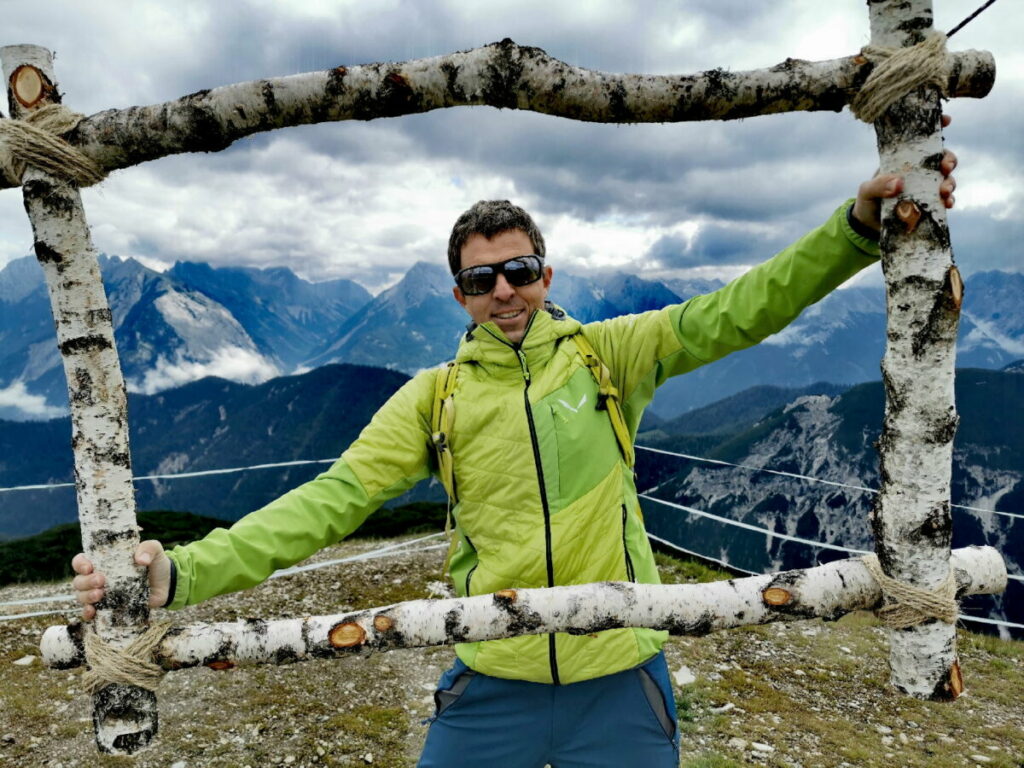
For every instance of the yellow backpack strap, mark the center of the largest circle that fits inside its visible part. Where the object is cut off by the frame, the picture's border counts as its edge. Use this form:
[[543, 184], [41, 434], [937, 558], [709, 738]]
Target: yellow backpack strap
[[607, 397], [442, 417]]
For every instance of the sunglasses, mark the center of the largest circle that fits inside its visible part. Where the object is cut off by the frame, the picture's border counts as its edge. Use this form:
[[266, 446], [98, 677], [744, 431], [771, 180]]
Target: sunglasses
[[520, 271]]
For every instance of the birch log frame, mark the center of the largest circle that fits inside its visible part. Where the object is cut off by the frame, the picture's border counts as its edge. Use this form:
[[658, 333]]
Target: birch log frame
[[504, 75], [911, 518], [125, 717], [827, 591]]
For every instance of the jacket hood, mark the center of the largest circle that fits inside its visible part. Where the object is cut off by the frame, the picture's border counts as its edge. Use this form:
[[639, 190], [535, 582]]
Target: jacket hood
[[487, 345]]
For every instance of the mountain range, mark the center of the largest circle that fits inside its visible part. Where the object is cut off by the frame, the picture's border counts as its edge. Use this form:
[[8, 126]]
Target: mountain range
[[171, 328], [831, 437], [249, 325], [204, 425]]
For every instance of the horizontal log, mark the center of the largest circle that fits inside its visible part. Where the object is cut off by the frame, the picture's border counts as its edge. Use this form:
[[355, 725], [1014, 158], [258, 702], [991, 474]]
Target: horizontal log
[[504, 75], [827, 591]]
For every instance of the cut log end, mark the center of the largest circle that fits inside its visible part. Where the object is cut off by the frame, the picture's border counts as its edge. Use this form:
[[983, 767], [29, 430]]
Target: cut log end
[[346, 635], [776, 596], [956, 681], [29, 85], [220, 665], [908, 212], [505, 596], [382, 623], [956, 288]]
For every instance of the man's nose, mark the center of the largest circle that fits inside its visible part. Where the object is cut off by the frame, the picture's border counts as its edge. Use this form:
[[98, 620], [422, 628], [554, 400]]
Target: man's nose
[[503, 290]]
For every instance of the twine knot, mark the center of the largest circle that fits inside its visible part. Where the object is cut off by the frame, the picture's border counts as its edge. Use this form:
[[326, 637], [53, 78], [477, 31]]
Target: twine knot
[[905, 605], [131, 665], [898, 71], [36, 141]]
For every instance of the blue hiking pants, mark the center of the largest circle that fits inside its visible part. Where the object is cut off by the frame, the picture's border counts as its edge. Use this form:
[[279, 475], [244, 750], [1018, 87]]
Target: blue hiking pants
[[621, 720]]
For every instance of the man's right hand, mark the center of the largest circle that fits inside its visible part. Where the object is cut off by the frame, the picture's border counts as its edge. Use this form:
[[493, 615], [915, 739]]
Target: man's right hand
[[89, 584]]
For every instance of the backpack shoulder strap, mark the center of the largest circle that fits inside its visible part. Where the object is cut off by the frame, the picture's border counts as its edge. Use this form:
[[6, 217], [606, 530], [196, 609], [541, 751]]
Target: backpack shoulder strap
[[607, 397], [442, 417]]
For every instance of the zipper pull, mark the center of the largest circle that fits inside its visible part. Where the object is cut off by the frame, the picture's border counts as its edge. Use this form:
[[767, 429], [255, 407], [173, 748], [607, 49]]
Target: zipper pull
[[522, 364]]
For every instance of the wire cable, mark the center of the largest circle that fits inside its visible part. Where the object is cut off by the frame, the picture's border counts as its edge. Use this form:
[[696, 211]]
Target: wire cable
[[730, 566], [797, 476], [749, 527], [968, 20], [178, 475], [229, 470], [765, 531]]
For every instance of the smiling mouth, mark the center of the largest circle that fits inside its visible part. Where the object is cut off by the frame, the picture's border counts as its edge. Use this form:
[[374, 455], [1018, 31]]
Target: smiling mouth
[[507, 315]]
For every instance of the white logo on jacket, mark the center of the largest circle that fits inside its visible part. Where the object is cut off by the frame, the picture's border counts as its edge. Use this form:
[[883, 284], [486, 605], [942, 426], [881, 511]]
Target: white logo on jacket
[[578, 405]]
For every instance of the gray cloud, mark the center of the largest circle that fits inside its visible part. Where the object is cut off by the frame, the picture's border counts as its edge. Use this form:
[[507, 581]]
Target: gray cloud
[[715, 243], [358, 200]]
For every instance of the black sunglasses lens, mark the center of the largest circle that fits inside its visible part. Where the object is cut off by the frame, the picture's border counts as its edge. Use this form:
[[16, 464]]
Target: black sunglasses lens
[[478, 280], [522, 271]]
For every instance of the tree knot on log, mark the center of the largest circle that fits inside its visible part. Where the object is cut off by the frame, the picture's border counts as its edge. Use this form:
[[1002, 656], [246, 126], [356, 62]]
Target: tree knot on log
[[905, 605], [898, 71], [131, 665], [36, 142]]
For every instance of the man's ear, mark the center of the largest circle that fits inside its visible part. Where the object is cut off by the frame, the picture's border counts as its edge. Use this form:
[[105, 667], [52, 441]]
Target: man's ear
[[548, 272], [459, 297]]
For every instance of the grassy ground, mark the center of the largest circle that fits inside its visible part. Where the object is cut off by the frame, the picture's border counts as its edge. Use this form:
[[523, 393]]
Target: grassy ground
[[801, 694]]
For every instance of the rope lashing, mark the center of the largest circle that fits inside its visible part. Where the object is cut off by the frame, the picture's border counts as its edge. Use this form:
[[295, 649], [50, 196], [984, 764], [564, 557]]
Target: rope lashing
[[131, 665], [906, 605], [897, 72], [36, 141]]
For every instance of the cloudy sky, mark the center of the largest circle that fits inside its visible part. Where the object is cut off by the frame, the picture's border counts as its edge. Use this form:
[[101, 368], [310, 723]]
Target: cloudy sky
[[366, 200]]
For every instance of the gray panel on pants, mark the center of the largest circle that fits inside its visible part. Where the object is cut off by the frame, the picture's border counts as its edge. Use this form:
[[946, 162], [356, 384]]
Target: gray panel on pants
[[657, 702], [448, 696]]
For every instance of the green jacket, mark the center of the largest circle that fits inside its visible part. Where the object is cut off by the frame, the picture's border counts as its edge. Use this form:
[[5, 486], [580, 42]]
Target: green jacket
[[544, 496]]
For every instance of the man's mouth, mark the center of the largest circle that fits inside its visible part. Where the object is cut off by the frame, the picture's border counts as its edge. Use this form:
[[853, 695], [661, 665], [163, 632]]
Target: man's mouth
[[507, 315]]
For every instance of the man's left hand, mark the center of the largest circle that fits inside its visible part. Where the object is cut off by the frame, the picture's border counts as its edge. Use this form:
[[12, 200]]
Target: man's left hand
[[868, 206]]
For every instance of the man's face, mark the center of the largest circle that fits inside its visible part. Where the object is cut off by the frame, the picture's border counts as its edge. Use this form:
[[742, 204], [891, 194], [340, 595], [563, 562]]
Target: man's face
[[506, 306]]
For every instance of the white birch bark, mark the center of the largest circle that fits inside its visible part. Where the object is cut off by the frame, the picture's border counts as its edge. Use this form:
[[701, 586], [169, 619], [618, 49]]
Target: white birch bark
[[504, 75], [125, 717], [827, 591], [911, 517]]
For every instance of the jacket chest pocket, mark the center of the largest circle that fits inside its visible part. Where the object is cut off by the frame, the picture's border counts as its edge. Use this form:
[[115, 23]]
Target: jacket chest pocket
[[584, 439]]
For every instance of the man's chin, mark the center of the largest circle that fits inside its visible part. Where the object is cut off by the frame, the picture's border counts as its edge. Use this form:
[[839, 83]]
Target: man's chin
[[514, 335], [513, 330]]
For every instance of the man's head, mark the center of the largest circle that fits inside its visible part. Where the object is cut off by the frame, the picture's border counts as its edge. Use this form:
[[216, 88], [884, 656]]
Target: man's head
[[491, 233]]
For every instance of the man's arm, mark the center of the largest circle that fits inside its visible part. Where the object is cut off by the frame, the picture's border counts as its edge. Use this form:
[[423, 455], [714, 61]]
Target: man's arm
[[390, 456]]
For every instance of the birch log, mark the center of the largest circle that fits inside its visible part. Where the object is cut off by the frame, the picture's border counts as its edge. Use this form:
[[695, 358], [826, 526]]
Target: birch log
[[911, 518], [125, 717], [504, 75], [828, 591]]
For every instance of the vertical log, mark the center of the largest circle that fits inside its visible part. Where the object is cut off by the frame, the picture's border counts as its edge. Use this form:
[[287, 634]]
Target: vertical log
[[911, 518], [125, 717]]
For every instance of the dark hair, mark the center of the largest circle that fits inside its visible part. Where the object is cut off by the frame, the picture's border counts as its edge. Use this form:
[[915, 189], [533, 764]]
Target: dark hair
[[490, 218]]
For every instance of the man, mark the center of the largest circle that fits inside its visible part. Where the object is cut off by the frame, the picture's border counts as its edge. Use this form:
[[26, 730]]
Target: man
[[542, 486]]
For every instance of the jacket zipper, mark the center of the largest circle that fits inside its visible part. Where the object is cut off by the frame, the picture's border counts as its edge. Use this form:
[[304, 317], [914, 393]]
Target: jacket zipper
[[630, 574], [552, 653], [469, 574]]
